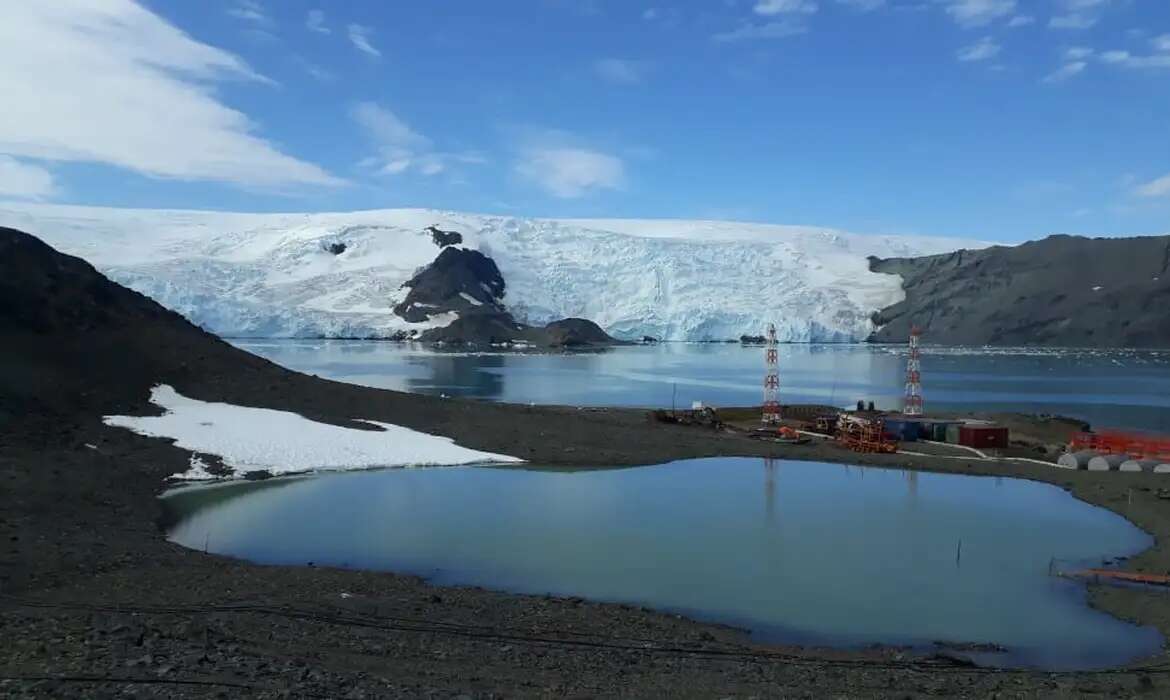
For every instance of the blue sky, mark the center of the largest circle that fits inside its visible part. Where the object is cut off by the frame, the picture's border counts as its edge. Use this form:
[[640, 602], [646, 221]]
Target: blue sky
[[993, 119]]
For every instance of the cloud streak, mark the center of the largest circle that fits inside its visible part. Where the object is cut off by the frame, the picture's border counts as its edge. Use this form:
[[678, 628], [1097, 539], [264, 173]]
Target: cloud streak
[[780, 29], [400, 148], [22, 181], [569, 173], [359, 36], [982, 50], [131, 91], [619, 71]]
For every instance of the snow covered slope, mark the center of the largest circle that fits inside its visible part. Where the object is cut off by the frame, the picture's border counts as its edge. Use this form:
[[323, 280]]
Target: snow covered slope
[[274, 275]]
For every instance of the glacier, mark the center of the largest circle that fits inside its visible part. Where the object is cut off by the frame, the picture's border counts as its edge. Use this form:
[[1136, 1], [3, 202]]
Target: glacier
[[274, 275]]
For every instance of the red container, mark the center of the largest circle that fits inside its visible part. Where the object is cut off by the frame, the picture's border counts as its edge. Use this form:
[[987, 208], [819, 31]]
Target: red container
[[983, 436]]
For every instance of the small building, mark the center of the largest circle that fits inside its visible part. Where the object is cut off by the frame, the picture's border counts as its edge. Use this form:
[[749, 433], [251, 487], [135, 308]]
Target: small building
[[983, 436]]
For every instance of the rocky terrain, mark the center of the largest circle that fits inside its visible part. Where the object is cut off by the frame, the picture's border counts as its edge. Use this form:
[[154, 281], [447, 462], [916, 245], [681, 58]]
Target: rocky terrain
[[1060, 291], [462, 291], [95, 602]]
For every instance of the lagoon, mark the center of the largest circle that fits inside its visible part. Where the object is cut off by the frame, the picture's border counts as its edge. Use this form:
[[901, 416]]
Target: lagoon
[[796, 552]]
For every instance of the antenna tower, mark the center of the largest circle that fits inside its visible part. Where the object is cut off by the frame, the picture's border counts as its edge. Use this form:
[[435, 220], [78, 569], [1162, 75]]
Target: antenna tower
[[771, 378], [913, 401]]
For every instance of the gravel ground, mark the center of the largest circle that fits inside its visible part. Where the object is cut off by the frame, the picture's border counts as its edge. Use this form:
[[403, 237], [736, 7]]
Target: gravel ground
[[94, 602]]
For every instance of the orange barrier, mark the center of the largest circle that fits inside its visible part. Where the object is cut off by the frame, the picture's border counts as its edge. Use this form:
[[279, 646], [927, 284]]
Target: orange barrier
[[1128, 576], [1117, 442]]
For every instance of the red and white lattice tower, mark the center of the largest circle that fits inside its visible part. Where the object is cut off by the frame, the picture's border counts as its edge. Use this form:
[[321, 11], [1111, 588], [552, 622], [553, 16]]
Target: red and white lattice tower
[[913, 402], [771, 378]]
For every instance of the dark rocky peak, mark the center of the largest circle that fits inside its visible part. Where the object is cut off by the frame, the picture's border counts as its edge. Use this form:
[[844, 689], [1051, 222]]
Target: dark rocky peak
[[44, 291], [444, 238], [463, 281]]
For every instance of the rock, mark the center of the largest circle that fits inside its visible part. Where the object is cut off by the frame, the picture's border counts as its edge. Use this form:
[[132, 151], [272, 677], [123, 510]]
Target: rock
[[576, 332], [336, 248], [460, 281], [444, 238], [1065, 291]]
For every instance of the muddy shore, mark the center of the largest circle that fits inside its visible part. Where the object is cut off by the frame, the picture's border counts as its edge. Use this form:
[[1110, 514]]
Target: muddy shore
[[95, 601]]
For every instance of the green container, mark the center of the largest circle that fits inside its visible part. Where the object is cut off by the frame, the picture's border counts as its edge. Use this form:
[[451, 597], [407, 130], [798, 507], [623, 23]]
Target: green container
[[938, 432], [951, 434]]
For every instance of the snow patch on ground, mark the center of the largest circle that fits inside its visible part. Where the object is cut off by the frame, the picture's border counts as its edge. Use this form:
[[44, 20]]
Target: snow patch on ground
[[259, 439], [272, 275]]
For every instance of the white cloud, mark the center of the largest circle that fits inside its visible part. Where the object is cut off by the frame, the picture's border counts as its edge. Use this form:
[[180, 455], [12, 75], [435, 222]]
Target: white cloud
[[1155, 188], [650, 13], [981, 50], [1077, 53], [1072, 21], [107, 81], [24, 181], [621, 71], [249, 10], [1021, 21], [1127, 60], [1078, 14], [780, 7], [753, 32], [400, 148], [359, 36], [863, 5], [1161, 43], [569, 173], [315, 22], [1065, 72], [978, 13]]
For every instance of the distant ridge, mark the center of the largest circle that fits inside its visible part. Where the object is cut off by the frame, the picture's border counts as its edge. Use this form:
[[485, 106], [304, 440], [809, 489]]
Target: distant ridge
[[1060, 291]]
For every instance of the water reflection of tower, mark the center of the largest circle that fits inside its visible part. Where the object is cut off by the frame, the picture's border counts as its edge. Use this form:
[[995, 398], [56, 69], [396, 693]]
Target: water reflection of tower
[[911, 482], [770, 488]]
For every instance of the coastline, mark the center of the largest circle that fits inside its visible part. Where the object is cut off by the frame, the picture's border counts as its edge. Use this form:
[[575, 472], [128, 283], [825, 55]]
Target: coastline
[[83, 535]]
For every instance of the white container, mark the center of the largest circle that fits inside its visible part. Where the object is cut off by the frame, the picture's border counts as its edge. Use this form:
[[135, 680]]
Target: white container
[[1107, 463], [1138, 465], [1162, 469], [1075, 460]]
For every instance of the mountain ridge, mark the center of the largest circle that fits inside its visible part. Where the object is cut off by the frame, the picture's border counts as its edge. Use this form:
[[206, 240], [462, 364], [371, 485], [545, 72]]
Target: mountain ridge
[[341, 274], [1061, 290]]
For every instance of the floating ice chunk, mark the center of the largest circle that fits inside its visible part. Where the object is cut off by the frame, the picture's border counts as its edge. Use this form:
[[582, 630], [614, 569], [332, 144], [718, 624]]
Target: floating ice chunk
[[259, 439]]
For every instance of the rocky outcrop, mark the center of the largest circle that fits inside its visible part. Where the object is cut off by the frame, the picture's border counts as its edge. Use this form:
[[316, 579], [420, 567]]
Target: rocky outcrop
[[468, 285], [575, 332], [443, 238], [462, 281], [502, 329], [1060, 291]]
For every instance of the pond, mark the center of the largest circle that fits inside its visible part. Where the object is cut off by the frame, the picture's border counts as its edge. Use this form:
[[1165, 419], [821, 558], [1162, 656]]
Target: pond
[[1109, 388], [796, 552]]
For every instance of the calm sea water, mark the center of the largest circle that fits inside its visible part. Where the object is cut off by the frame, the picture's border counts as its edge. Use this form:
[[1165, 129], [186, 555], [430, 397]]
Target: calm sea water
[[798, 552], [1109, 388]]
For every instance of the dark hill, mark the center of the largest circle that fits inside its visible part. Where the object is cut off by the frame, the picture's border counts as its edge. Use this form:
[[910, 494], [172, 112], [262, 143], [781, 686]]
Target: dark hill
[[463, 281], [72, 341], [1060, 291]]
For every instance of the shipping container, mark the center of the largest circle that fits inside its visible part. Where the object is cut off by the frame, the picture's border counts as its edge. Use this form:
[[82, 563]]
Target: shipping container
[[980, 436], [952, 433], [903, 430]]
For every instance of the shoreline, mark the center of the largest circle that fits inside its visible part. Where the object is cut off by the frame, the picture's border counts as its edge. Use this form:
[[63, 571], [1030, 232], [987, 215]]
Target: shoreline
[[107, 549], [983, 651]]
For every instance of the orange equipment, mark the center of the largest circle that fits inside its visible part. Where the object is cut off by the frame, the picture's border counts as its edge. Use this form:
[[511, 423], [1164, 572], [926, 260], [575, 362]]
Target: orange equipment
[[1135, 445], [864, 434]]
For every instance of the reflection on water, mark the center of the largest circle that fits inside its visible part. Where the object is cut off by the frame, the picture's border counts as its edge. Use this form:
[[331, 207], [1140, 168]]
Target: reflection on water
[[1107, 388], [795, 551]]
